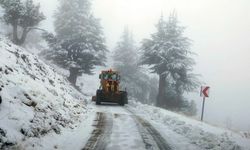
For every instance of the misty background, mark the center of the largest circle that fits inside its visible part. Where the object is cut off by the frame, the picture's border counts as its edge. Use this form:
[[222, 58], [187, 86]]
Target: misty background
[[220, 32]]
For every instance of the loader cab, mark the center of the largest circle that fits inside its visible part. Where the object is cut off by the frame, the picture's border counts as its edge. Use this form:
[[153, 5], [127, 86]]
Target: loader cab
[[111, 76]]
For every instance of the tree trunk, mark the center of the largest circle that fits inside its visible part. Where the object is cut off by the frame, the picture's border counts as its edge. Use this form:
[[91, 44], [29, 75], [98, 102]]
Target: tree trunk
[[23, 37], [15, 37], [161, 90], [73, 75], [178, 99], [16, 40]]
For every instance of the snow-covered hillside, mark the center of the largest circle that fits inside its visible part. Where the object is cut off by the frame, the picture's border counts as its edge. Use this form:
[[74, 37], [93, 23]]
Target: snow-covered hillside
[[36, 100]]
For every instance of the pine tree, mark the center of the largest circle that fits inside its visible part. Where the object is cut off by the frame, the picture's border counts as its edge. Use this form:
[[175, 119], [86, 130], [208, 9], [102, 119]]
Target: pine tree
[[126, 62], [79, 43], [23, 17], [125, 59], [168, 53], [125, 56]]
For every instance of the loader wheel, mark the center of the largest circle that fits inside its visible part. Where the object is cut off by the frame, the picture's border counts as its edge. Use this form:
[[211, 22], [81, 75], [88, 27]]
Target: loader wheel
[[125, 97], [122, 99], [98, 97]]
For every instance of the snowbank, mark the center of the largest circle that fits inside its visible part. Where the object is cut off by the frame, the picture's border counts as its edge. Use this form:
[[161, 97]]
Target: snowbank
[[191, 132], [36, 100]]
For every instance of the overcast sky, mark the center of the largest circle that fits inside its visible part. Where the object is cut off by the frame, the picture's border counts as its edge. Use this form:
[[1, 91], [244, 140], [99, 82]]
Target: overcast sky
[[220, 30]]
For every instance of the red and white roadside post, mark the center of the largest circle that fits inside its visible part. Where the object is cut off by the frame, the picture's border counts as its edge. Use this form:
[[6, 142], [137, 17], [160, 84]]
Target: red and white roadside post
[[204, 93]]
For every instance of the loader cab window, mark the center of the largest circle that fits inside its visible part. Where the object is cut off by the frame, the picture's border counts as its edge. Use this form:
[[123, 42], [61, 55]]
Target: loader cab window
[[114, 77], [110, 76], [105, 76]]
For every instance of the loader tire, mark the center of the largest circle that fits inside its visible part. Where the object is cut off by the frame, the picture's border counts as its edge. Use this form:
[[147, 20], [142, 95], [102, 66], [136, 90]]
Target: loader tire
[[98, 97], [122, 99], [125, 97]]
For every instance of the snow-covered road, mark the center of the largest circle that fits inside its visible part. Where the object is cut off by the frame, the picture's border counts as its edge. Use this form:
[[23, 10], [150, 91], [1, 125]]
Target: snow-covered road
[[142, 127], [138, 127], [117, 128]]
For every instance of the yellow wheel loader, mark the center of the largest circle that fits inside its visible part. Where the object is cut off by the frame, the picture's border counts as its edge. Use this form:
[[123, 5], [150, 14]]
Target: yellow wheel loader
[[109, 89]]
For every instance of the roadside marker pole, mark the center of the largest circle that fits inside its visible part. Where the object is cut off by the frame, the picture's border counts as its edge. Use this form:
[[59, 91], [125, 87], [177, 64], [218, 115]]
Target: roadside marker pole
[[203, 105], [204, 93]]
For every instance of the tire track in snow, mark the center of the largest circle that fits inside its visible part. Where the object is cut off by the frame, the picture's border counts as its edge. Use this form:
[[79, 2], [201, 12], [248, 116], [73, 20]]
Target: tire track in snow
[[150, 135], [100, 135], [104, 123], [160, 141]]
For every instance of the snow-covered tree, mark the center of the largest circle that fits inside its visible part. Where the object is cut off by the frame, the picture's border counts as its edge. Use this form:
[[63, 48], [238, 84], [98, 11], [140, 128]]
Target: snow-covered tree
[[168, 54], [22, 16], [126, 62], [79, 42], [125, 56]]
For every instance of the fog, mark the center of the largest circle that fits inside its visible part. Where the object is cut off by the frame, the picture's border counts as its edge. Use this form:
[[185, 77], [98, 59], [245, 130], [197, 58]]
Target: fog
[[220, 31]]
